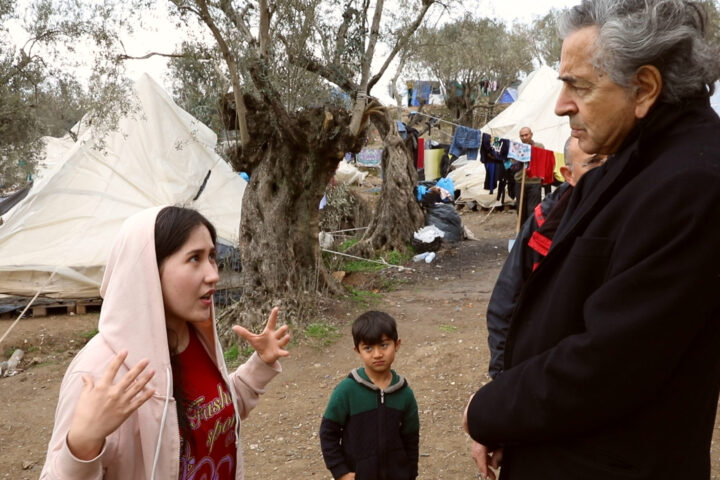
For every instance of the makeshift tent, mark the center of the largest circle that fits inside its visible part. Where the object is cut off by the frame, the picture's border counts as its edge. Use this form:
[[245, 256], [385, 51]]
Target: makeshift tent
[[67, 223], [534, 108], [509, 95]]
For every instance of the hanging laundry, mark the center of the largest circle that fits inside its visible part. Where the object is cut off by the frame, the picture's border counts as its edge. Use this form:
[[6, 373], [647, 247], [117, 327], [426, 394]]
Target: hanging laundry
[[542, 164], [402, 130], [520, 151], [420, 163], [466, 140], [494, 150]]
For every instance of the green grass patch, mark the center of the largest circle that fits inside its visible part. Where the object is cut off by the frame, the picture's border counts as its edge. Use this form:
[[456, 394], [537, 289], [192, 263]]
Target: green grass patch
[[347, 244], [322, 333], [365, 298], [231, 354], [361, 266], [237, 354], [396, 257], [89, 334], [448, 328], [393, 257]]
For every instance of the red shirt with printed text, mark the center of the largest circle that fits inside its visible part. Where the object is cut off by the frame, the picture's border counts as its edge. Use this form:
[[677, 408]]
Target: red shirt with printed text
[[209, 451]]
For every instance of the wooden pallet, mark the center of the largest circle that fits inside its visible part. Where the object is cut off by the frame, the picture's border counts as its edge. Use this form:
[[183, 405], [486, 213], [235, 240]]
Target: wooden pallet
[[66, 307]]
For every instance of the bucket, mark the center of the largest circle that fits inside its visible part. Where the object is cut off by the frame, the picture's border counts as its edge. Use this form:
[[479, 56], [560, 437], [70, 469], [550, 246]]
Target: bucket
[[433, 158]]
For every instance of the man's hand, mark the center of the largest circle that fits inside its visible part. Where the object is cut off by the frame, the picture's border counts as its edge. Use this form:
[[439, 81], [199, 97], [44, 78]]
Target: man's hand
[[485, 460], [348, 476], [269, 344]]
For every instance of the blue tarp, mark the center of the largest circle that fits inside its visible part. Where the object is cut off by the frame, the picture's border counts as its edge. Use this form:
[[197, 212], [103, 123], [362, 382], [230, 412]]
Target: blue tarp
[[421, 93], [508, 96]]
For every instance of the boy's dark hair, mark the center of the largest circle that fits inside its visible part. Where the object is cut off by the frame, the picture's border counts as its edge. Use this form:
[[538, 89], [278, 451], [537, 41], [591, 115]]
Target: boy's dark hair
[[370, 327]]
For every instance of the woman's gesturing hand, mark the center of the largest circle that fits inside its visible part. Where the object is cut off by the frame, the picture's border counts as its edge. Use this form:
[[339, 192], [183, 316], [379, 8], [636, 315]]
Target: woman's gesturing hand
[[103, 406], [269, 344]]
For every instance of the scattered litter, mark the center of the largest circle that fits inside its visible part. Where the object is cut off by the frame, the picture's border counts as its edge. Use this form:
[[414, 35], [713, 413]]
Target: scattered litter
[[10, 368]]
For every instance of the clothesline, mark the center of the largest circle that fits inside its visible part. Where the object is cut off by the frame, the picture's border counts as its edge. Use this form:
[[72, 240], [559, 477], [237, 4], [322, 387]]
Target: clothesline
[[435, 118]]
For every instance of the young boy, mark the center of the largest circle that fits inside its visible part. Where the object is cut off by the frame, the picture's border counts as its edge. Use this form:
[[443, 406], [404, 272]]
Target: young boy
[[370, 429]]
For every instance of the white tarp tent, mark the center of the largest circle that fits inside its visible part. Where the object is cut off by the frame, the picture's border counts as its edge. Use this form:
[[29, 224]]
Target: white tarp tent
[[158, 155], [534, 108], [715, 99]]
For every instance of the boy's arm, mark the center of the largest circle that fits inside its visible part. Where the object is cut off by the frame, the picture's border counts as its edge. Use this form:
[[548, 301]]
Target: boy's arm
[[330, 437], [331, 431], [411, 434]]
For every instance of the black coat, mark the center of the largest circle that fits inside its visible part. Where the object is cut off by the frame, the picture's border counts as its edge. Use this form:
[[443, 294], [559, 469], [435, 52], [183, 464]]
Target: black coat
[[612, 365]]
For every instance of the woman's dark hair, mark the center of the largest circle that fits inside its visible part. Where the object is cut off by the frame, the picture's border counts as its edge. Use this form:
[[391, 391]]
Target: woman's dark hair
[[370, 327], [173, 226]]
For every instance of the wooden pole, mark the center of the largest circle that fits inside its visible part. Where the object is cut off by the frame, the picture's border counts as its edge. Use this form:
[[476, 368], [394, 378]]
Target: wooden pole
[[522, 198]]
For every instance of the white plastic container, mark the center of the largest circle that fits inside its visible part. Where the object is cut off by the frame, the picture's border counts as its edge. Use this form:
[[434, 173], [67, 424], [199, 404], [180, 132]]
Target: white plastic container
[[421, 256]]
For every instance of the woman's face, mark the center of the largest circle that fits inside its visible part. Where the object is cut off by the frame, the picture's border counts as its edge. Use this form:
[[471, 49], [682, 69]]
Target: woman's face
[[188, 279]]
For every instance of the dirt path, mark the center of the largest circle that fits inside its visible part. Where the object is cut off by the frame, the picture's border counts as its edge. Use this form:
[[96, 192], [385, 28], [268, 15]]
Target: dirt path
[[440, 310]]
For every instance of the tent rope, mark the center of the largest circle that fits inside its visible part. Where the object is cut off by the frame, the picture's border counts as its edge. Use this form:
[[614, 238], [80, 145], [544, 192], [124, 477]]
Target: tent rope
[[28, 305], [383, 262]]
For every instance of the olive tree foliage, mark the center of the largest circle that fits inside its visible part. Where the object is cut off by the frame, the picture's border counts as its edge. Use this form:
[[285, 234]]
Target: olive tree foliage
[[39, 92], [464, 54], [542, 37]]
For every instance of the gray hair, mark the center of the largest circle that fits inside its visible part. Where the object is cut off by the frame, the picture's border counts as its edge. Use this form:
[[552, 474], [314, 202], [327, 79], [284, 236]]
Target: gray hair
[[669, 34]]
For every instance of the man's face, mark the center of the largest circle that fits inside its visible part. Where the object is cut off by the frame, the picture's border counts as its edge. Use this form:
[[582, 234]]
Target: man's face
[[601, 112], [525, 135], [579, 162]]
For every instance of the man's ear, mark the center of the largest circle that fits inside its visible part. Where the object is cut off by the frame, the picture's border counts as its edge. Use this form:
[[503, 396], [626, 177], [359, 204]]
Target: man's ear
[[397, 344], [566, 173], [647, 84]]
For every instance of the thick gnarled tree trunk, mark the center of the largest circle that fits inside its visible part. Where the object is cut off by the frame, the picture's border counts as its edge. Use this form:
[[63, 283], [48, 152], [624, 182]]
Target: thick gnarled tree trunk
[[280, 253], [398, 214]]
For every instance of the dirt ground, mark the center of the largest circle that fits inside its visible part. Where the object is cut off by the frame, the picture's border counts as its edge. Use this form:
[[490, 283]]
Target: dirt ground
[[440, 308]]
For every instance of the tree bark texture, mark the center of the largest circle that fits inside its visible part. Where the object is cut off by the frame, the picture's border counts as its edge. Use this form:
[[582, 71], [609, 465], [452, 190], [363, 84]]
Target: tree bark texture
[[398, 214], [279, 228]]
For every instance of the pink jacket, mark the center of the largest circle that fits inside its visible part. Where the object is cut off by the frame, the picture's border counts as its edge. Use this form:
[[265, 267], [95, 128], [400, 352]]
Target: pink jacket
[[147, 444]]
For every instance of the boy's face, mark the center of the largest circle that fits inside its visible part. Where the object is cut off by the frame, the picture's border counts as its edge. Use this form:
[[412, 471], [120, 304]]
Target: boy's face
[[378, 358]]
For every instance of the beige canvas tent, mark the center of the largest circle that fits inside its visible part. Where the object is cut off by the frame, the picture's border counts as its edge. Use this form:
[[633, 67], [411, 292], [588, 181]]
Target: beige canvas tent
[[159, 155], [534, 108]]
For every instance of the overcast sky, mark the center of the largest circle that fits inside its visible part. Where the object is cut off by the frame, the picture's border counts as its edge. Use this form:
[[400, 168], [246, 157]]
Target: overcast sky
[[523, 10], [507, 10]]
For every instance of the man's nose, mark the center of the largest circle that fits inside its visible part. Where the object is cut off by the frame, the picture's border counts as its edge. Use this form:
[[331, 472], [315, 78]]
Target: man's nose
[[564, 104]]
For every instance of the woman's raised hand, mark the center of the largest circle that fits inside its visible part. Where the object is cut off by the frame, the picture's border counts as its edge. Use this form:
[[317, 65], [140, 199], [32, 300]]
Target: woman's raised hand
[[103, 406], [269, 344]]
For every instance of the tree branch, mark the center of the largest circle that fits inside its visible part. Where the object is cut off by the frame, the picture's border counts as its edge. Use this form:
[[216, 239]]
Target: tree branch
[[401, 42], [240, 110], [151, 54], [332, 73], [348, 15], [238, 20]]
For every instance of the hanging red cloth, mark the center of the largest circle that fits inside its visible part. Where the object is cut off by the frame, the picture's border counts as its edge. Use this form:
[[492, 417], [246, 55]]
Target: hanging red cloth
[[542, 164], [421, 153]]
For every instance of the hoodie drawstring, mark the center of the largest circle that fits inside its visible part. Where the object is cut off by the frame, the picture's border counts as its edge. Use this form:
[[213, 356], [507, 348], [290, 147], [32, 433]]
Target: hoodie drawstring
[[162, 422]]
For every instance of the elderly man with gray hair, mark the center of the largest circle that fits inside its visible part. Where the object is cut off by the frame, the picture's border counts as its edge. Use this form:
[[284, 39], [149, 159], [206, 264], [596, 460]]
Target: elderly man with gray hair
[[612, 360]]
